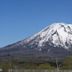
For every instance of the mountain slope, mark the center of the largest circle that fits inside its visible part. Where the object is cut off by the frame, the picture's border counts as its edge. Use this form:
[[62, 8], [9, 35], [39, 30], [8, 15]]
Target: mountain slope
[[54, 41]]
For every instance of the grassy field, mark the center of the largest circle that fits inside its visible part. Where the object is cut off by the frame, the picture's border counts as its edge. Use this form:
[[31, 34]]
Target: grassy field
[[14, 66]]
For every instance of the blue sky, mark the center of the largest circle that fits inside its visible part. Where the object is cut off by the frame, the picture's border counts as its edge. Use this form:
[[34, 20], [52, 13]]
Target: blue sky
[[22, 18]]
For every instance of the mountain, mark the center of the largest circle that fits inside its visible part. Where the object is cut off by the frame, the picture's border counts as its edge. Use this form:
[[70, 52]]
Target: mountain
[[53, 42]]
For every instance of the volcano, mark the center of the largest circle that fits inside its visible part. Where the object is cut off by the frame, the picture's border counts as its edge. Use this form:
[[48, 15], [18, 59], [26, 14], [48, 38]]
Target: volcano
[[54, 41]]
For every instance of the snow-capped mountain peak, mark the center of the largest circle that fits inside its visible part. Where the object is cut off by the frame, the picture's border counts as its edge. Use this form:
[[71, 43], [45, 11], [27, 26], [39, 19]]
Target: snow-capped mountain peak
[[57, 34], [54, 41]]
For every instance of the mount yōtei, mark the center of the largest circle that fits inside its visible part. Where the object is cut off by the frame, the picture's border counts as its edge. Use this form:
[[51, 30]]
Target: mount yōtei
[[54, 41]]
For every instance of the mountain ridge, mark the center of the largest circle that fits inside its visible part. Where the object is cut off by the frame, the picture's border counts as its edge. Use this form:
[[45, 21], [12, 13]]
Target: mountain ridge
[[52, 42]]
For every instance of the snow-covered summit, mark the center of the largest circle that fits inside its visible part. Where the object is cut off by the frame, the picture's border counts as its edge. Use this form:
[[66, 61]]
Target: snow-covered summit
[[57, 34]]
